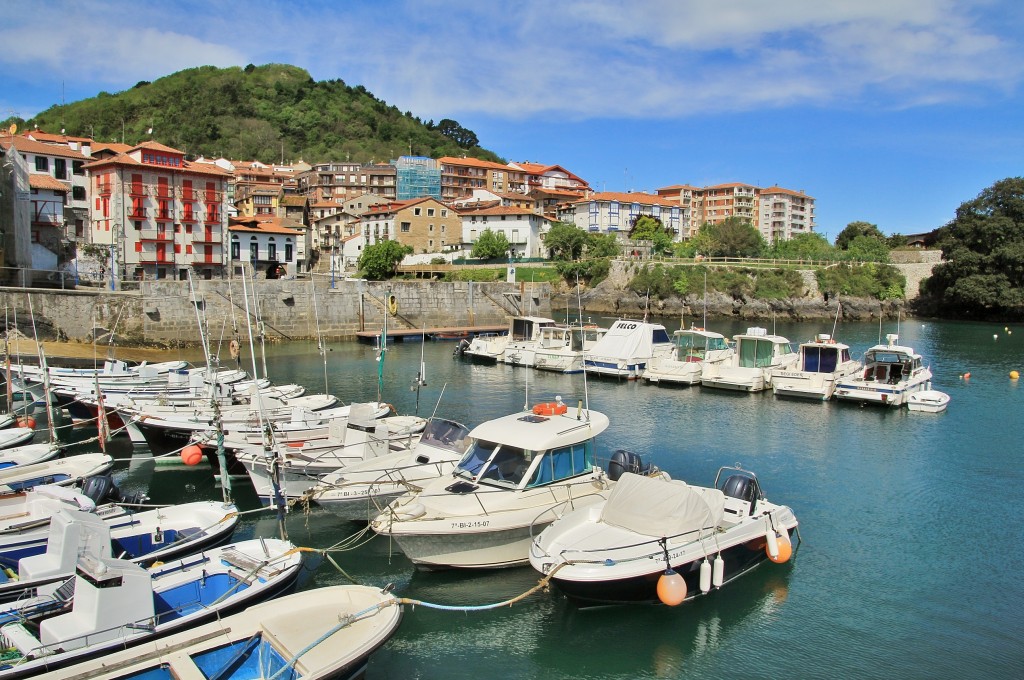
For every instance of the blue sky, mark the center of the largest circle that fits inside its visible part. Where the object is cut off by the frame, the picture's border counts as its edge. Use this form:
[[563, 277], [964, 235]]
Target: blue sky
[[889, 111]]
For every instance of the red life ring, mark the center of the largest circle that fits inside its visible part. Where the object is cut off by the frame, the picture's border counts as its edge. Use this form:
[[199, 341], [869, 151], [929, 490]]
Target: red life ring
[[550, 408]]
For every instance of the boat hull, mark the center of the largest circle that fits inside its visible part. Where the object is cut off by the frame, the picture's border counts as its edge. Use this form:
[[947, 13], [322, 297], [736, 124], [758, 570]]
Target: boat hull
[[469, 550]]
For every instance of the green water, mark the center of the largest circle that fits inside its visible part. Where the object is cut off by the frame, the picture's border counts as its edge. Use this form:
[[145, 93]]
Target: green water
[[910, 565]]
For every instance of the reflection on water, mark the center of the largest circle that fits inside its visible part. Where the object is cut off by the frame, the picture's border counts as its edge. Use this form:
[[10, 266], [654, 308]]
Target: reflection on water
[[909, 565]]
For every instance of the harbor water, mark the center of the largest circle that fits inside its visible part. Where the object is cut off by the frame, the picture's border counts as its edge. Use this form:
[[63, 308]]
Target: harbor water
[[909, 564]]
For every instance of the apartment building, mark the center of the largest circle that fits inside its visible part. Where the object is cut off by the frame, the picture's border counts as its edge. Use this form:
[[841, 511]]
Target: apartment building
[[610, 212], [784, 213], [460, 177], [426, 224], [339, 182], [273, 246], [551, 178], [160, 213]]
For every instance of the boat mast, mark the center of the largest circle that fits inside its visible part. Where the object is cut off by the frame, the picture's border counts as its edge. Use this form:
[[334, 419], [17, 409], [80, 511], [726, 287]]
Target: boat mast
[[320, 346]]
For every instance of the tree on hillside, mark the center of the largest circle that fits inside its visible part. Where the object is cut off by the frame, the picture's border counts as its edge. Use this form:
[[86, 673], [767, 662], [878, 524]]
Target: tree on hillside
[[807, 246], [463, 137], [648, 228], [733, 237], [855, 229], [565, 241], [491, 245], [603, 245], [380, 261], [982, 273]]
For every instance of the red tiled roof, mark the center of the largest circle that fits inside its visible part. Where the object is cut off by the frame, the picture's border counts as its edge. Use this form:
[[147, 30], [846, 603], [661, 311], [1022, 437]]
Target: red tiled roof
[[267, 224], [788, 192], [622, 197], [473, 162], [26, 145], [187, 168], [40, 181], [116, 147], [157, 146]]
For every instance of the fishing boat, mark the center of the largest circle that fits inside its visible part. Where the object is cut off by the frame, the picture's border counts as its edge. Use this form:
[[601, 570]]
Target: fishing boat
[[757, 357], [892, 372], [822, 363], [523, 331], [59, 471], [317, 634], [692, 348], [928, 401], [521, 471], [661, 540], [561, 348], [360, 491], [113, 604], [140, 535], [626, 349]]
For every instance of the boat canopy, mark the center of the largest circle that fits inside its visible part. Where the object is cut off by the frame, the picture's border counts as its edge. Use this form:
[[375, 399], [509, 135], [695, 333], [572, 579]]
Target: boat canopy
[[818, 359], [629, 340], [654, 507], [760, 352]]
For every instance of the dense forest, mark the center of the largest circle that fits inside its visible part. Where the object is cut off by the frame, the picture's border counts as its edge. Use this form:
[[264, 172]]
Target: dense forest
[[270, 113]]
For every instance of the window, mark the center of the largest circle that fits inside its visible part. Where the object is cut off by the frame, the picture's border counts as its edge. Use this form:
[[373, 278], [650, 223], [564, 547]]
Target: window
[[254, 250], [271, 250], [77, 167], [431, 228], [138, 226], [236, 249], [79, 228], [288, 255], [406, 227], [416, 211], [430, 212], [444, 212], [60, 168], [78, 193], [42, 164]]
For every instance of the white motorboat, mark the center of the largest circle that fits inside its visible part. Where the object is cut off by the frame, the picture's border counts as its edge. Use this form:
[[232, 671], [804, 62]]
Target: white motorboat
[[57, 471], [521, 471], [928, 401], [298, 464], [757, 357], [321, 633], [617, 551], [692, 348], [7, 420], [558, 348], [27, 454], [113, 604], [360, 491], [892, 373], [626, 349], [822, 364], [523, 332]]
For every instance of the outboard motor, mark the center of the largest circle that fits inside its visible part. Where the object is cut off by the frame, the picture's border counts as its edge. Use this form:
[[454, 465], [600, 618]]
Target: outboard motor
[[101, 489], [742, 487], [626, 461]]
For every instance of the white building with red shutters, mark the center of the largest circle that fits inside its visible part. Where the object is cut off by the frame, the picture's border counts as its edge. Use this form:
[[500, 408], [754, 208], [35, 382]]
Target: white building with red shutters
[[160, 214]]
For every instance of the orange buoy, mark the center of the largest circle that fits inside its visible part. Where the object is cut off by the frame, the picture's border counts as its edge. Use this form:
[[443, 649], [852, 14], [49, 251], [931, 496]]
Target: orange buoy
[[27, 421], [671, 588], [191, 454], [784, 549], [1014, 375], [550, 408], [967, 376]]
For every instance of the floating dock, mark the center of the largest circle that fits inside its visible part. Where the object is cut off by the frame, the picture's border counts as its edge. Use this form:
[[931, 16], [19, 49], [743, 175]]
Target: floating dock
[[444, 333]]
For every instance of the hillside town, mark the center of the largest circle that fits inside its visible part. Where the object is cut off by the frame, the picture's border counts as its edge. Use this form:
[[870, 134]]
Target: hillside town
[[95, 211]]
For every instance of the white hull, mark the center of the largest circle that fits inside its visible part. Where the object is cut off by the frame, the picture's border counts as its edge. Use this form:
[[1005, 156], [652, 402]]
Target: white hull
[[880, 393], [928, 401], [736, 379]]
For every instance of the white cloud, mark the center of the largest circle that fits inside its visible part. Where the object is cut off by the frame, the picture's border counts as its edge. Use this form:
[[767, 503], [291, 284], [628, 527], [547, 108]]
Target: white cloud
[[575, 58]]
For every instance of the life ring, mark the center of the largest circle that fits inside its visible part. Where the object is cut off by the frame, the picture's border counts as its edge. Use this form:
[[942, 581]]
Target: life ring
[[550, 408], [234, 348], [393, 305]]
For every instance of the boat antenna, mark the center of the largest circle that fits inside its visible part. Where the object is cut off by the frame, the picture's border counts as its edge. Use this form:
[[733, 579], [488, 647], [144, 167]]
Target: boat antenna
[[7, 359], [382, 348], [320, 346], [839, 306], [879, 327], [211, 375], [705, 321], [583, 346], [46, 372], [421, 375], [438, 404]]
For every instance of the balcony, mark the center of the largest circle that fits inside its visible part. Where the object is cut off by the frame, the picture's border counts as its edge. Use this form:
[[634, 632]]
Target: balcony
[[136, 190], [151, 236], [136, 213], [203, 258], [204, 240], [155, 258], [211, 218]]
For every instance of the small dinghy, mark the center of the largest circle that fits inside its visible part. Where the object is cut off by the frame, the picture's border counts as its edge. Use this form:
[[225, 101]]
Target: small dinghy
[[316, 634], [60, 472], [928, 401], [13, 436], [112, 604], [27, 454], [661, 540], [59, 523]]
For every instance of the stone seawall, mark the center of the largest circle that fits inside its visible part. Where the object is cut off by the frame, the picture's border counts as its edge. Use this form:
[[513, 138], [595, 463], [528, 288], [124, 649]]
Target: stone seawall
[[164, 311]]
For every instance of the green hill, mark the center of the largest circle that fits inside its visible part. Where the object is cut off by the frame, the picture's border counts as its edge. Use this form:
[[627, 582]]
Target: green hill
[[260, 112]]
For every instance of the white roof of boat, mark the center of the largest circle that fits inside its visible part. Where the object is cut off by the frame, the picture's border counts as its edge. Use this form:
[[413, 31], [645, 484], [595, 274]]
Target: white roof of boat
[[540, 433], [698, 331], [895, 349]]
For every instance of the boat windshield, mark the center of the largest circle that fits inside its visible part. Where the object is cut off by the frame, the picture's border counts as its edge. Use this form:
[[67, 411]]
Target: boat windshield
[[479, 453], [820, 359], [445, 434], [507, 467]]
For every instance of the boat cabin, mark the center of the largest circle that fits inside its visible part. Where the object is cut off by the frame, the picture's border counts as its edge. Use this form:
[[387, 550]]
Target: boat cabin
[[571, 338], [889, 366], [819, 358], [527, 327], [693, 344], [757, 349]]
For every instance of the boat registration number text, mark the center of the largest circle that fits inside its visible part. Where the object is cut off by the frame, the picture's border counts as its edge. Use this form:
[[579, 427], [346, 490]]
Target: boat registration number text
[[470, 525]]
